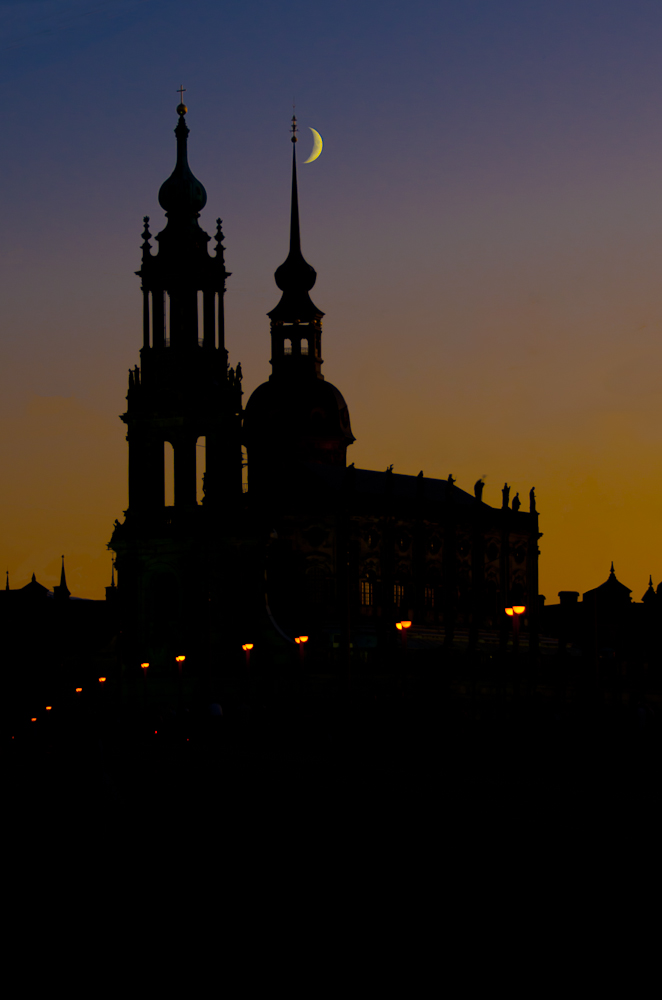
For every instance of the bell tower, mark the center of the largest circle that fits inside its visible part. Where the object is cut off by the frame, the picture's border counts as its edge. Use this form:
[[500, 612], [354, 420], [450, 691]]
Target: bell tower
[[182, 394], [296, 417]]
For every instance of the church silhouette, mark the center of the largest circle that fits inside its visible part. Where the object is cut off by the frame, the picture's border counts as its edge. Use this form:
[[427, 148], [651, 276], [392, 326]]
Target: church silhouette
[[303, 544]]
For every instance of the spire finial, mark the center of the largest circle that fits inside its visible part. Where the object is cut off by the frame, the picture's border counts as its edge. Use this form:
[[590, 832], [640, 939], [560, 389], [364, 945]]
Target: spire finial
[[294, 128], [181, 107], [611, 571]]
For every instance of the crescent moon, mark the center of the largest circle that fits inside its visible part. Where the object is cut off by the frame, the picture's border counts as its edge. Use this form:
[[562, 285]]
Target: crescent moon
[[317, 146]]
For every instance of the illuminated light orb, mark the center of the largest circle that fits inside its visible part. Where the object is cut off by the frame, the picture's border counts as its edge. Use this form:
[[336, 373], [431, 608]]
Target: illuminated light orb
[[180, 659], [519, 609], [509, 612], [102, 680], [144, 665], [49, 708], [247, 646], [34, 719], [78, 690]]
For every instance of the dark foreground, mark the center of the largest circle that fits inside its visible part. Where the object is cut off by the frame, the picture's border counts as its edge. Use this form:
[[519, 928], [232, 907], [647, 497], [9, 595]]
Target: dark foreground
[[417, 763]]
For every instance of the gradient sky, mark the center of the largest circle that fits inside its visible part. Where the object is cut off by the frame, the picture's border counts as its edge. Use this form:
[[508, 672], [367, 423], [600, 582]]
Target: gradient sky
[[485, 221]]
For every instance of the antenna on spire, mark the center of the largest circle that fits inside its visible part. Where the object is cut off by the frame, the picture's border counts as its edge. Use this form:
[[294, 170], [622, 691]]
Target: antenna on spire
[[294, 128], [181, 107]]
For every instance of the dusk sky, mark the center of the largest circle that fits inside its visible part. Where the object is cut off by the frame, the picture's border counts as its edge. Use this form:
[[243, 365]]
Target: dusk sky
[[485, 221]]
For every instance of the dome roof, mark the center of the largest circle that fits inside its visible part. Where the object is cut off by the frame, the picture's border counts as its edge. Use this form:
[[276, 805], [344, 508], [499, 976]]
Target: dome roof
[[308, 420]]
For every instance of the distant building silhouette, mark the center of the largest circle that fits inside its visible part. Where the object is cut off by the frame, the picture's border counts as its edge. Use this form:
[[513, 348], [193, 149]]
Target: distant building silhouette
[[607, 630]]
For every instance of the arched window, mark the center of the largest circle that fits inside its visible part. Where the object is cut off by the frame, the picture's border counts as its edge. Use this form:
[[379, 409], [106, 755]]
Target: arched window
[[287, 346], [304, 346]]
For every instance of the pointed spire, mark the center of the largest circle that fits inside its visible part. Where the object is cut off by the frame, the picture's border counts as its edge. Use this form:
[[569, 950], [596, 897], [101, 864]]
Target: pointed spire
[[611, 571], [62, 591], [650, 595], [295, 277], [295, 231]]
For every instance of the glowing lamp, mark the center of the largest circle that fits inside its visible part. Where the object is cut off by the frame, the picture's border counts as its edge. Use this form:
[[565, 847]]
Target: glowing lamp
[[34, 719], [102, 680], [144, 665], [303, 638], [180, 659], [398, 625], [247, 646], [406, 624], [78, 690], [49, 708], [509, 612], [519, 609]]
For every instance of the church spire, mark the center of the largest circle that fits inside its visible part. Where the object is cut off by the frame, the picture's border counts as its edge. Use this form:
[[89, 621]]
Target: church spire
[[295, 277], [62, 592]]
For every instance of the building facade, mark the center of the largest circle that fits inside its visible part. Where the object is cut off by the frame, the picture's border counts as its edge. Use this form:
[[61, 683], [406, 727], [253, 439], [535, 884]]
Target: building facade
[[313, 546]]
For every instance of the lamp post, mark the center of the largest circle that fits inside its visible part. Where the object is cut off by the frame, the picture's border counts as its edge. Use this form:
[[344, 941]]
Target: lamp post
[[403, 628], [180, 663], [301, 641], [247, 646], [515, 612]]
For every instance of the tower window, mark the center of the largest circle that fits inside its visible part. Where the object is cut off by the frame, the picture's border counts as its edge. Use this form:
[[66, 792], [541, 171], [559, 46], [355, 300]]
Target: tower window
[[428, 597], [366, 593], [398, 594], [304, 347], [287, 346]]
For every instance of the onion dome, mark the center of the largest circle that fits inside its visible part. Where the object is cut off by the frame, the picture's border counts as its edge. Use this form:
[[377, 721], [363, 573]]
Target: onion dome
[[182, 194]]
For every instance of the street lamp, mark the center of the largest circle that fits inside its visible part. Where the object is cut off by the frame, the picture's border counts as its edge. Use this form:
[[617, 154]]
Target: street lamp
[[515, 613], [402, 628], [247, 646], [301, 640]]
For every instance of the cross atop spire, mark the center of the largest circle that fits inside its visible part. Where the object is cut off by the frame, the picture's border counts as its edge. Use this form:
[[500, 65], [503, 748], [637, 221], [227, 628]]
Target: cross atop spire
[[181, 107]]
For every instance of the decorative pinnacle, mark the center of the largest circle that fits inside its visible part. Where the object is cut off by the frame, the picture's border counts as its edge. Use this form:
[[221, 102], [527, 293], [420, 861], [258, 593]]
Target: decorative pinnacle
[[181, 107], [146, 235], [294, 129]]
